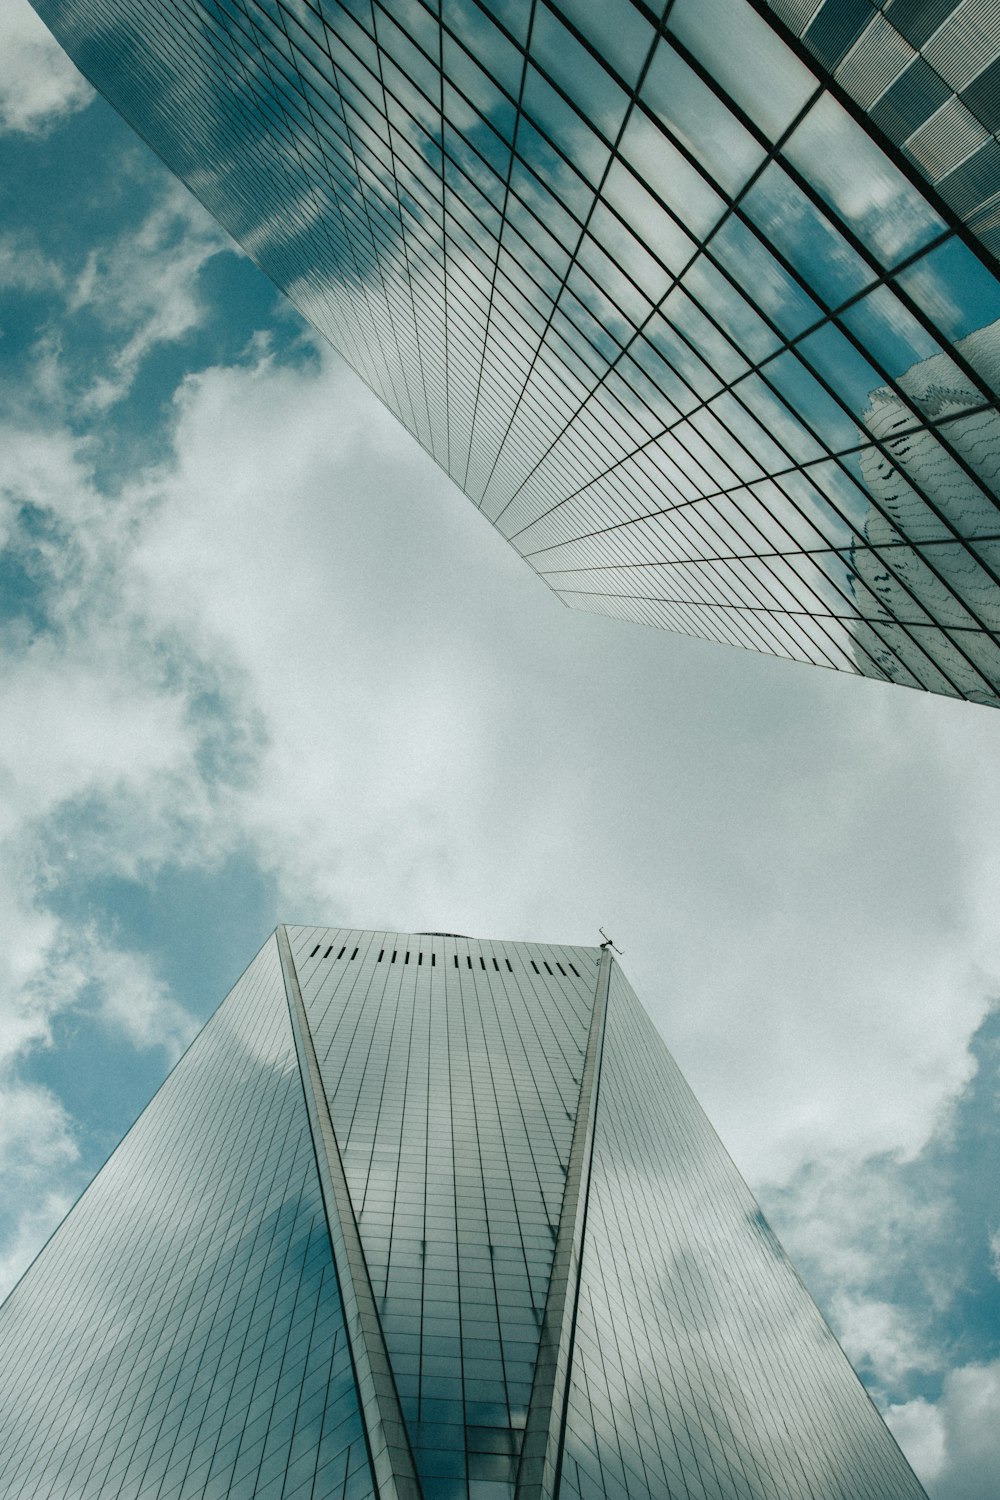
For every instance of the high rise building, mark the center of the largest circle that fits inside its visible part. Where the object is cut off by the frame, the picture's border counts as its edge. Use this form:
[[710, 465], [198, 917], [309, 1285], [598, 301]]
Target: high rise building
[[645, 279], [424, 1216]]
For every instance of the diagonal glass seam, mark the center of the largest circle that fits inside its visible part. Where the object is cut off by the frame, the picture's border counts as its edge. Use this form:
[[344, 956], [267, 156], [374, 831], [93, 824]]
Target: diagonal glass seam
[[540, 1462], [393, 1470]]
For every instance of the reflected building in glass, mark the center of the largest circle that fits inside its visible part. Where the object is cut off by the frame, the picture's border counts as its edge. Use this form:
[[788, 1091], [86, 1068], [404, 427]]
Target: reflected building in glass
[[425, 1216], [651, 282]]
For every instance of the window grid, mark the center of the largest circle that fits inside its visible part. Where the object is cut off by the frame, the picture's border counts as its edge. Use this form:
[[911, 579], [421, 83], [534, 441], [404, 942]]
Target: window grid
[[603, 278]]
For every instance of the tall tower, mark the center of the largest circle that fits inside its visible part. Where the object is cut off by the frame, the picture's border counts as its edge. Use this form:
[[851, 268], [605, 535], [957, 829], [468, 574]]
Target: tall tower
[[419, 1215], [641, 277]]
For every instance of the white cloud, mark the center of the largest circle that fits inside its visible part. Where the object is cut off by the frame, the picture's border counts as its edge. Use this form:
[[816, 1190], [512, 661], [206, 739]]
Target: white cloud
[[25, 267], [34, 1131], [144, 287], [954, 1444], [138, 1004], [918, 1427], [38, 84], [37, 1151], [39, 1216], [881, 1334]]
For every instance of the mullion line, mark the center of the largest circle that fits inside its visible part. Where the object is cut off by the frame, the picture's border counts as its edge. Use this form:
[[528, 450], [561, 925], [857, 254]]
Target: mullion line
[[454, 161], [917, 423], [773, 476], [747, 627], [809, 552], [431, 260], [348, 237], [774, 610], [210, 60], [826, 611], [832, 456], [394, 159], [885, 272], [697, 627], [730, 201], [444, 242], [381, 252], [745, 559], [787, 344], [595, 199], [498, 241], [733, 206], [744, 486], [798, 551], [363, 203], [874, 443], [861, 117]]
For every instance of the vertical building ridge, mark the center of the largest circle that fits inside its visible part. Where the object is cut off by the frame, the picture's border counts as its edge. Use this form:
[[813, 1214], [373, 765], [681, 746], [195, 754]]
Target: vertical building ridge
[[393, 1469], [538, 1472]]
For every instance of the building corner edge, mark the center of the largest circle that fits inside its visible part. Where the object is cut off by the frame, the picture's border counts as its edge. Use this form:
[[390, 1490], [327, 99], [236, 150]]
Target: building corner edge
[[390, 1456], [540, 1466]]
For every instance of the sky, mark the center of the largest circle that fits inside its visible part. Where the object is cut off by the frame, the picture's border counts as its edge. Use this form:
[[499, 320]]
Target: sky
[[260, 661]]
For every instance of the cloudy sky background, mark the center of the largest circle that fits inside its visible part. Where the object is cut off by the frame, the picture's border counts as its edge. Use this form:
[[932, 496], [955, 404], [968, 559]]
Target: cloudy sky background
[[262, 662]]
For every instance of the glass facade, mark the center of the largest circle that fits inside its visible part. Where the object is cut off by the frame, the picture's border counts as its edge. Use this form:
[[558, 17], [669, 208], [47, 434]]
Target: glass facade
[[182, 1334], [426, 1217], [696, 301], [701, 1366]]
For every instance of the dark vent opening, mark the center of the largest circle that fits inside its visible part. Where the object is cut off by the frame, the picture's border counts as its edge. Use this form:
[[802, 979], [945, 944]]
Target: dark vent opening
[[342, 952], [394, 952], [496, 966], [420, 957], [535, 967], [406, 960], [468, 960], [354, 955], [507, 962], [560, 968], [381, 951], [328, 951], [456, 960], [482, 962], [547, 969], [434, 959], [575, 971], [315, 951]]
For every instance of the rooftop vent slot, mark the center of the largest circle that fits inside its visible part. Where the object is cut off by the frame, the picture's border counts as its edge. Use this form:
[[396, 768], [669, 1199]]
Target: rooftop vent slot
[[560, 968], [456, 960], [354, 955], [381, 951], [315, 951], [468, 960], [342, 952], [547, 969], [394, 952], [434, 959], [420, 957], [507, 962], [496, 966], [328, 951], [535, 967], [482, 962], [575, 970], [406, 960]]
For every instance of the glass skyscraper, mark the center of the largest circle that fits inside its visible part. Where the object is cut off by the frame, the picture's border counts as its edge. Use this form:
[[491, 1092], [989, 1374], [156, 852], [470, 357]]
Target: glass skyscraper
[[419, 1215], [697, 301]]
